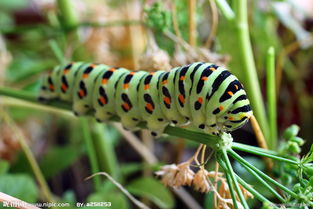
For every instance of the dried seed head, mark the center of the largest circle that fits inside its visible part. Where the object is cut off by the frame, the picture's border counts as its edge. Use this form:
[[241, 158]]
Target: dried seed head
[[201, 182], [168, 173], [184, 175], [176, 176]]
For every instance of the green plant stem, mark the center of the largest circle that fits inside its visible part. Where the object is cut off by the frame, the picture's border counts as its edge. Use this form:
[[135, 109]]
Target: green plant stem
[[248, 66], [271, 95], [225, 9], [105, 150], [84, 122], [260, 173], [231, 173], [263, 153], [272, 190], [69, 18], [252, 191], [31, 159], [229, 181], [57, 51]]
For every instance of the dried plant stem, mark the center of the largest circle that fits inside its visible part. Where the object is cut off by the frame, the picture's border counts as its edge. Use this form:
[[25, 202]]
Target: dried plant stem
[[174, 20], [137, 145], [195, 156], [122, 189], [133, 34], [203, 154], [192, 21], [261, 140], [30, 157], [214, 24], [259, 135], [281, 58], [217, 166]]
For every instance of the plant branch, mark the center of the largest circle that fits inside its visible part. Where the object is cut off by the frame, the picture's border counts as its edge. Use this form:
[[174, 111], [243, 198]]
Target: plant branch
[[260, 173], [271, 95]]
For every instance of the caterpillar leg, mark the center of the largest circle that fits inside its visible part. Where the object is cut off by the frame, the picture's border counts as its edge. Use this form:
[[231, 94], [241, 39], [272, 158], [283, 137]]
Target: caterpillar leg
[[156, 127]]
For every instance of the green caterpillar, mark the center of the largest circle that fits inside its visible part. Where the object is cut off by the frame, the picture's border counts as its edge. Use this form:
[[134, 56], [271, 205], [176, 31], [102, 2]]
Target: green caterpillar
[[205, 95]]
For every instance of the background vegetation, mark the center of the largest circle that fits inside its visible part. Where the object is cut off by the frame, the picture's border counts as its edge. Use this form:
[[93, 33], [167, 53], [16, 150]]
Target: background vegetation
[[46, 152]]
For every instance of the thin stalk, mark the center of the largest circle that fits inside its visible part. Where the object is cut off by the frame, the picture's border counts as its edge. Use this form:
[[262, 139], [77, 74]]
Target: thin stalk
[[231, 173], [248, 148], [84, 122], [226, 10], [192, 21], [254, 150], [251, 190], [260, 173], [69, 16], [105, 150], [213, 25], [271, 189], [248, 65], [229, 182], [31, 159], [174, 20], [271, 95], [57, 51]]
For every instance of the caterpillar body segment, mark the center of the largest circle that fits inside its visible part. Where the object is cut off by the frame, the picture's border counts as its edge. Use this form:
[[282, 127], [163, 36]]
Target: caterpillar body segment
[[104, 92], [205, 95], [127, 99], [149, 104]]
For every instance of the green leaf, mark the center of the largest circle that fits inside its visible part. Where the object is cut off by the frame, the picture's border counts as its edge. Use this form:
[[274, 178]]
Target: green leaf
[[4, 166], [153, 190], [20, 186], [57, 159], [13, 4]]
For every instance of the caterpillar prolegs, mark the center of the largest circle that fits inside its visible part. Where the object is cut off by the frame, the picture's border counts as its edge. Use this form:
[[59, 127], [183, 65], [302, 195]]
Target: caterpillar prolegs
[[204, 94]]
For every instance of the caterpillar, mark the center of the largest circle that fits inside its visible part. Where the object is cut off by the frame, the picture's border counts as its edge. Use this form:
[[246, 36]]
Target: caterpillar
[[206, 96]]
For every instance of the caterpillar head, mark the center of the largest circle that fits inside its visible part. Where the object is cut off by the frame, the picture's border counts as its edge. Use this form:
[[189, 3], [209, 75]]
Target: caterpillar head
[[237, 116]]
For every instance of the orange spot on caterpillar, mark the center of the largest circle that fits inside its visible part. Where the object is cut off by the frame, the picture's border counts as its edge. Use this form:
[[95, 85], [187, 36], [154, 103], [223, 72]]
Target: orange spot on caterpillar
[[102, 100], [181, 98], [126, 106], [112, 69], [230, 118], [93, 65], [182, 78], [104, 81], [230, 93], [152, 73], [164, 82], [85, 75], [81, 93], [65, 71], [132, 73], [236, 86], [147, 86], [204, 78], [167, 100], [149, 107], [125, 86], [51, 87], [64, 87], [200, 100], [212, 68], [221, 108]]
